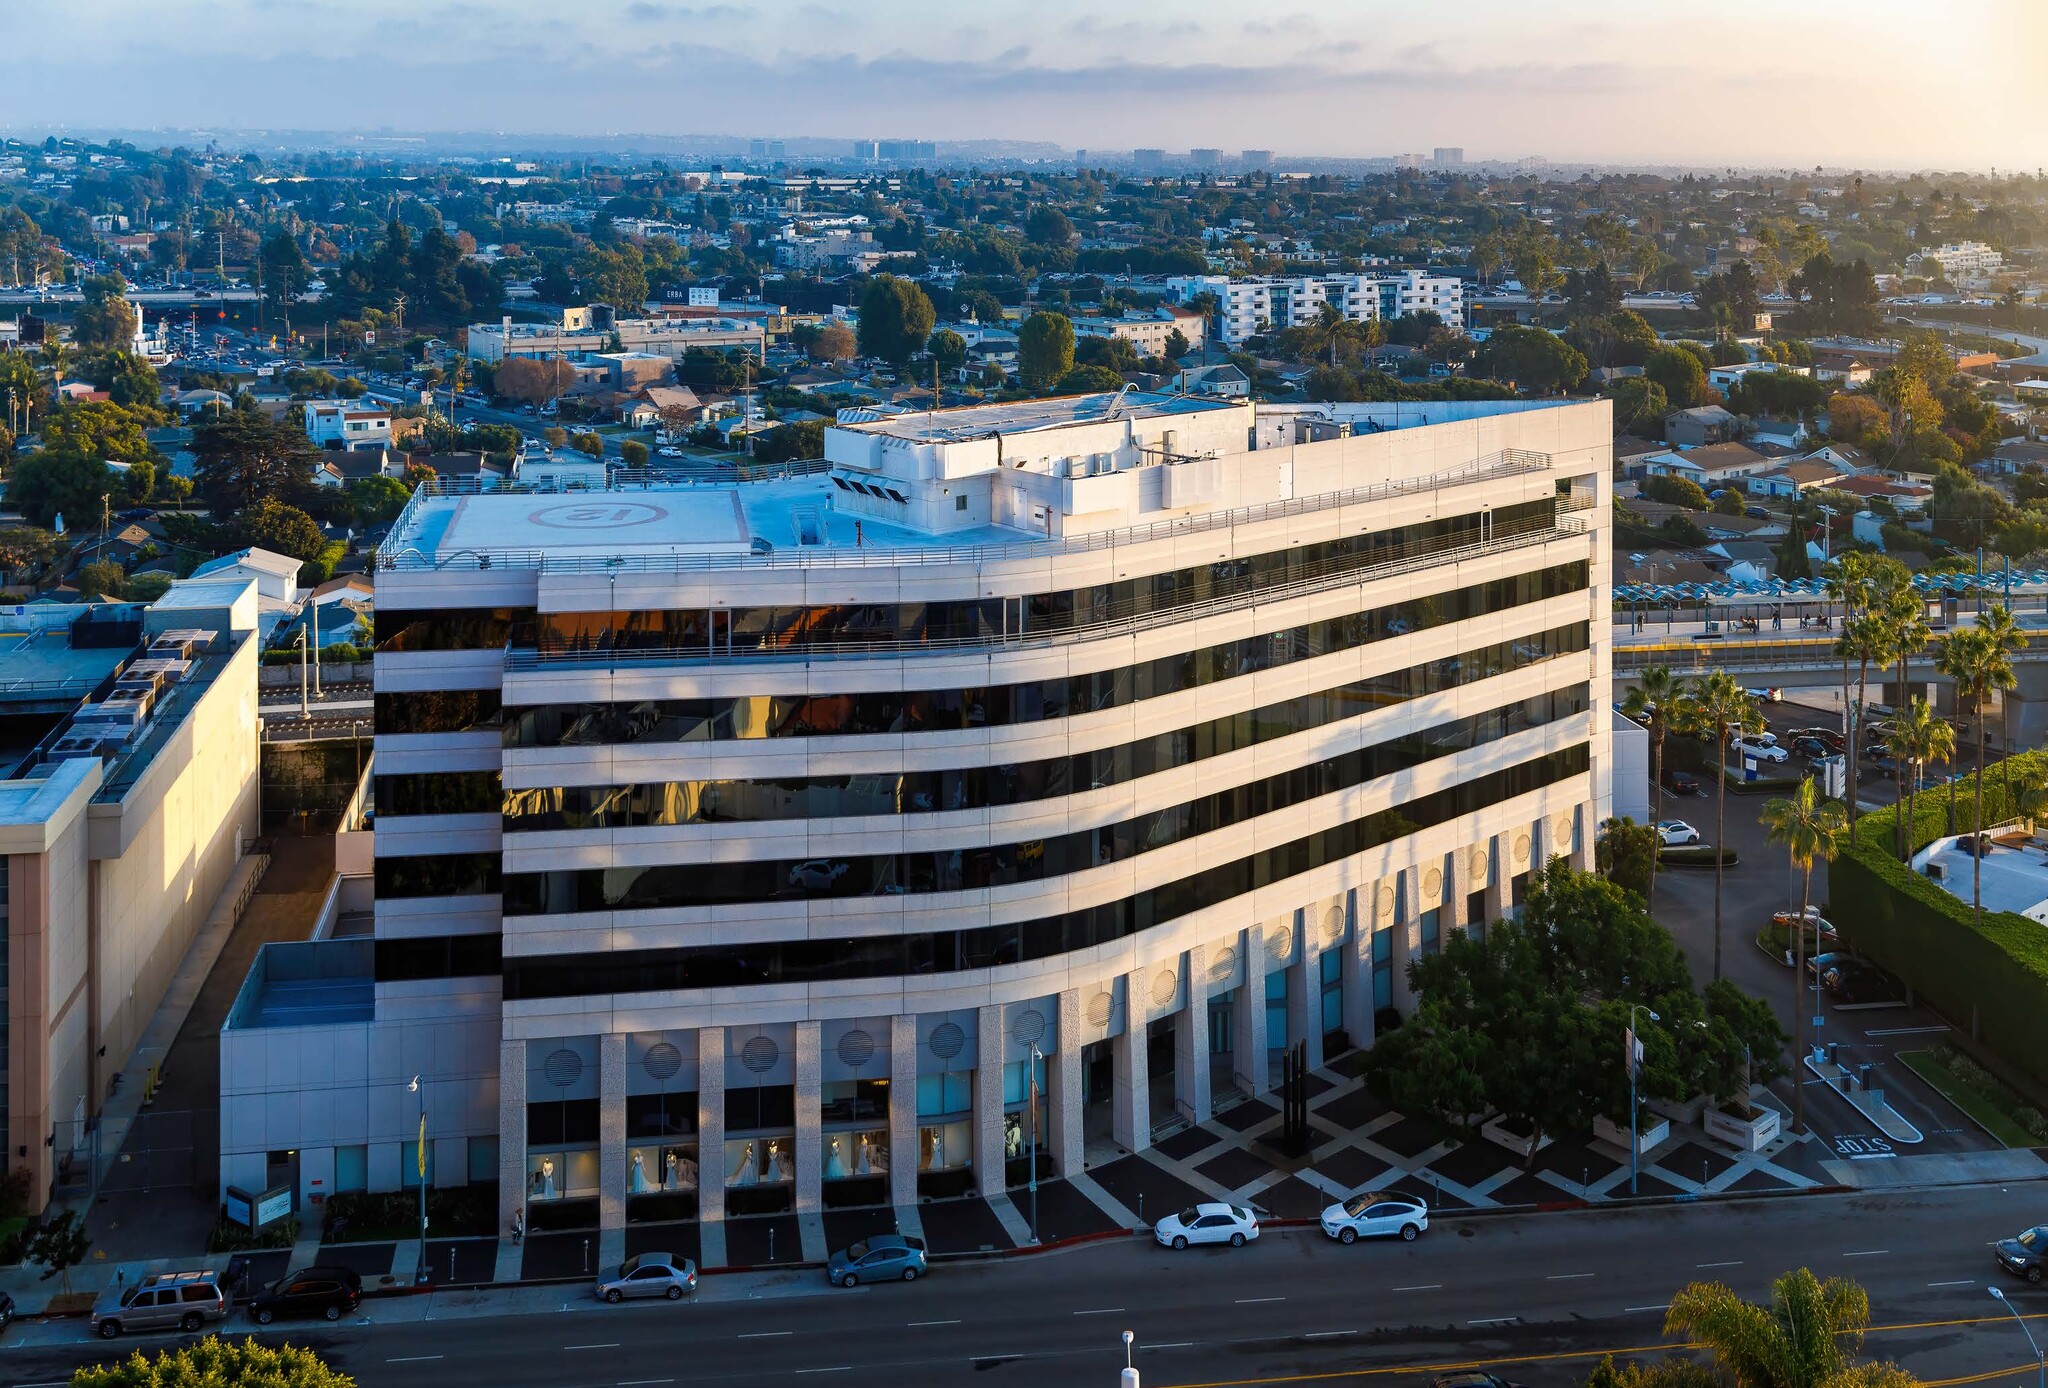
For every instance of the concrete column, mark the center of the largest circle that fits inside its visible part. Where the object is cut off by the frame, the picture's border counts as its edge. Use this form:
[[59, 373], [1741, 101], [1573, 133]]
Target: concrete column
[[1361, 910], [711, 1131], [810, 1141], [903, 1110], [1497, 878], [1304, 985], [1061, 1077], [1407, 937], [611, 1133], [1248, 1014], [511, 1133], [988, 1102], [1582, 849], [1131, 1106], [1191, 1039], [1457, 887]]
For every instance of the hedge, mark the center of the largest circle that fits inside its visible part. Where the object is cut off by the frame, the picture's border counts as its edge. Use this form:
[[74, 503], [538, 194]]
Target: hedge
[[1992, 977]]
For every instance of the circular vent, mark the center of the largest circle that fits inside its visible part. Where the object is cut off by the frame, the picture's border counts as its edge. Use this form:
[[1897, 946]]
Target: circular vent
[[1099, 1008], [760, 1054], [1165, 984], [1224, 964], [1280, 943], [1333, 925], [1478, 865], [562, 1067], [856, 1048], [662, 1062], [1432, 885], [947, 1040], [1521, 848], [1027, 1027], [1386, 901], [1564, 831]]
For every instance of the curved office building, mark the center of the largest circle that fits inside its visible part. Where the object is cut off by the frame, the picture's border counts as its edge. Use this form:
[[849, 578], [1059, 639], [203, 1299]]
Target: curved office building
[[772, 845]]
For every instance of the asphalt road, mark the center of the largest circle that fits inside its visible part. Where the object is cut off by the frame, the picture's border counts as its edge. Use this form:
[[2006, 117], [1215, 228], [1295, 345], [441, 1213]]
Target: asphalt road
[[1539, 1297]]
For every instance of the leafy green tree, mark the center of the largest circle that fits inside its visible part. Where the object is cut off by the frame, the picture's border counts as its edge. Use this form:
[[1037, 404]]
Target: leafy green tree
[[895, 319], [53, 482], [105, 319], [592, 444], [798, 442], [1680, 373], [377, 500], [129, 380], [1793, 562], [271, 524], [1639, 406], [1835, 298], [1088, 380], [99, 428], [244, 458], [1919, 736], [1674, 490], [285, 273], [1045, 349], [58, 1246], [633, 453], [948, 349], [1627, 855], [1048, 226], [102, 578], [615, 276], [1651, 701], [1537, 361], [217, 1362], [26, 546]]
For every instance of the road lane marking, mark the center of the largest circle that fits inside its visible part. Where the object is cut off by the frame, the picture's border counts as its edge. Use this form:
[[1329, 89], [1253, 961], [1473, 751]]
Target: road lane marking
[[1964, 1282], [1732, 1263], [642, 1382], [1100, 1311], [415, 1359], [1327, 1334], [1666, 1306], [1493, 1320], [1906, 1031], [1568, 1276], [915, 1324], [1258, 1300], [614, 1344], [1422, 1287], [1176, 1344], [1868, 1253], [767, 1334], [835, 1369]]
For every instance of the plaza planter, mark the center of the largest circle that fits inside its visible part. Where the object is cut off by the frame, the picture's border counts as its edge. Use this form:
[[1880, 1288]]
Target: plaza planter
[[1523, 1145], [1751, 1133], [1687, 1112], [1651, 1132]]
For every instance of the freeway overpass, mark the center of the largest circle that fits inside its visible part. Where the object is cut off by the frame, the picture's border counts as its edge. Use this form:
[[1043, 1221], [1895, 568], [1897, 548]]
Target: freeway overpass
[[142, 298]]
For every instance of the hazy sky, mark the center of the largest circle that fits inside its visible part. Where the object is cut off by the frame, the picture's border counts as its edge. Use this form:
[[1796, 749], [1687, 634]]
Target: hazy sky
[[1872, 83]]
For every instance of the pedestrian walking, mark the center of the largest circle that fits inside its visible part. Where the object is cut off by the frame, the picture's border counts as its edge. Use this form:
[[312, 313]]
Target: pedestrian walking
[[518, 1227]]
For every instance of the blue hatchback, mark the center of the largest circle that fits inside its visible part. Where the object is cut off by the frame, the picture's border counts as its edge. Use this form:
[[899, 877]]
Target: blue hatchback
[[883, 1258]]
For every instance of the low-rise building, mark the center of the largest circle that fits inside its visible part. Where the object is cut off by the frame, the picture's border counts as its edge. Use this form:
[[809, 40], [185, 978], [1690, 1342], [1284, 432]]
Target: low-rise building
[[1699, 426], [1248, 307], [670, 338], [347, 424], [1149, 332]]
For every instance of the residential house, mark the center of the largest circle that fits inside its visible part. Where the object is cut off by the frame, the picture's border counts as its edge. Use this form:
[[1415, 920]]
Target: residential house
[[1749, 561], [347, 425], [1841, 368], [1699, 426], [1907, 497], [2015, 454], [1224, 381], [1795, 479], [1714, 465], [275, 575]]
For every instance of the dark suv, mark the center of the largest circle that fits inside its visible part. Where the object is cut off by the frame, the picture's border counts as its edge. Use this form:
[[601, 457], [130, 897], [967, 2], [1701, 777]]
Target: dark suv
[[317, 1291], [2027, 1255]]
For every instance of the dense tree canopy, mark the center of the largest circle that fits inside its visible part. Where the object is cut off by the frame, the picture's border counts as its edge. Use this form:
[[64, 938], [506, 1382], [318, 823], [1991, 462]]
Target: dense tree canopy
[[895, 319], [244, 458], [1045, 349]]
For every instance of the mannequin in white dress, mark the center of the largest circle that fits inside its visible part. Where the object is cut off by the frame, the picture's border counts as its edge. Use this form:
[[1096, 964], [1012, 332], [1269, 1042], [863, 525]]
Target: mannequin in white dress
[[639, 1181], [744, 1174], [547, 1178], [864, 1158], [937, 1160], [778, 1163], [835, 1162]]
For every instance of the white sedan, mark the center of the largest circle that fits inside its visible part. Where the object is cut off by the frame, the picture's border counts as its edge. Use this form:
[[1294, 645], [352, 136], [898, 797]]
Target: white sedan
[[1376, 1214], [1762, 751], [1675, 832], [1208, 1223]]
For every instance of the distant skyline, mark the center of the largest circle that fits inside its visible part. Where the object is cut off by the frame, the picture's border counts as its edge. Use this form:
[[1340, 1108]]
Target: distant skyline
[[1890, 84]]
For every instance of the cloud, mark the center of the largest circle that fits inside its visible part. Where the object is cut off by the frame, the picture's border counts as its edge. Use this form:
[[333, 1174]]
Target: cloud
[[657, 12]]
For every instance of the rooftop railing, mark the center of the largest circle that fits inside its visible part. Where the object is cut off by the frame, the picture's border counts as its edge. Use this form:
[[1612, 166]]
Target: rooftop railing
[[400, 554]]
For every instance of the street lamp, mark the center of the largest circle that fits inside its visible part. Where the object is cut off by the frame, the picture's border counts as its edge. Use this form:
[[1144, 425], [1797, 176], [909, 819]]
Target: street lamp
[[2040, 1355], [419, 1275], [1634, 1051], [1129, 1377], [1031, 1096]]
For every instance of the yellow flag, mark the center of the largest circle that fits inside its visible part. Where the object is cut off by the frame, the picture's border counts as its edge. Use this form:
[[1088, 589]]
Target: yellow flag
[[423, 1147]]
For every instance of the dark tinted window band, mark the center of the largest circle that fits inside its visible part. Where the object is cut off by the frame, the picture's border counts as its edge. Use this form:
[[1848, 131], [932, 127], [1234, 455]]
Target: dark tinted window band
[[950, 951], [447, 628], [977, 787], [995, 865], [437, 956], [438, 874], [439, 792], [1003, 705], [437, 711], [750, 630]]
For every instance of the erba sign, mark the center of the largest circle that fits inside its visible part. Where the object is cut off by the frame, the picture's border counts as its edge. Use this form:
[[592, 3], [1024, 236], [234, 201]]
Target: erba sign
[[257, 1211]]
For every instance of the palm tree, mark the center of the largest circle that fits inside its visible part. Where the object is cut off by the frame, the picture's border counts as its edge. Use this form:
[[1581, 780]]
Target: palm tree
[[2004, 633], [1865, 639], [1809, 828], [1650, 701], [1919, 736], [2033, 796], [1805, 1338], [1849, 583], [1332, 328], [1974, 660], [1717, 705]]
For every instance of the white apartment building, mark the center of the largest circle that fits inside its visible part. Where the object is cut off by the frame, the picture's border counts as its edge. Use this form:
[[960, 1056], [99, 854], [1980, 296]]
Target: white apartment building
[[1959, 261], [1247, 307], [764, 847], [1149, 333], [347, 424], [665, 337]]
